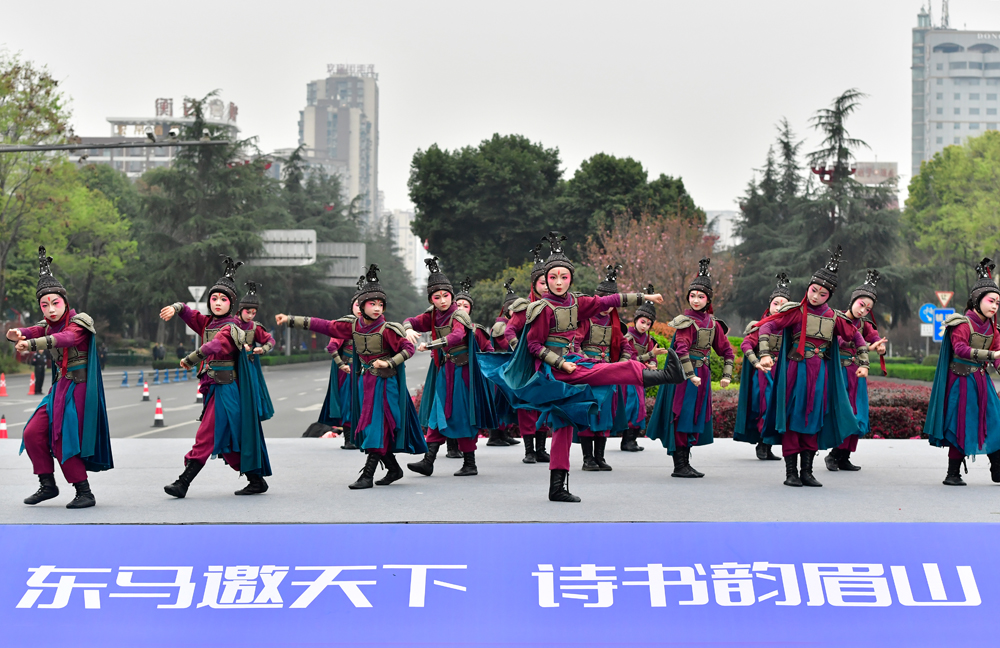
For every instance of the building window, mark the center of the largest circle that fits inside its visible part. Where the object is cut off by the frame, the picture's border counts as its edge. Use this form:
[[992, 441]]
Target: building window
[[991, 111], [973, 111], [940, 125], [958, 65], [974, 81], [991, 126], [974, 96], [958, 111], [958, 140], [993, 81], [975, 65], [940, 66], [958, 96], [974, 126], [940, 81], [992, 66], [958, 125], [940, 110], [940, 140], [940, 96], [991, 97]]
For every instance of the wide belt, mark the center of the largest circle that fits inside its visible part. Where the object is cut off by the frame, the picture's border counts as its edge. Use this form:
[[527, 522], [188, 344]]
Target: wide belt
[[602, 353], [812, 349], [459, 356], [222, 372], [697, 360], [962, 368], [75, 372], [557, 345], [388, 372]]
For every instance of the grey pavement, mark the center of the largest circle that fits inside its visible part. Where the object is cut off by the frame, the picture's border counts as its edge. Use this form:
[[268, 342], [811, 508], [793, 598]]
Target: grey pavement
[[900, 482]]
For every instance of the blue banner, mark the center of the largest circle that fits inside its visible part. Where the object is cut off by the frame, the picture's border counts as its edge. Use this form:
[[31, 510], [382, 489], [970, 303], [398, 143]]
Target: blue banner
[[500, 584]]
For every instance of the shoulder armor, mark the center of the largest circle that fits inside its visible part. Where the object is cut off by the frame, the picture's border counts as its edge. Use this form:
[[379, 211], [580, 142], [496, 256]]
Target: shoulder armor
[[842, 315], [787, 306], [498, 329], [463, 318], [955, 319], [519, 305], [681, 322], [396, 328], [350, 319], [722, 323], [534, 309], [751, 327], [85, 321], [482, 328]]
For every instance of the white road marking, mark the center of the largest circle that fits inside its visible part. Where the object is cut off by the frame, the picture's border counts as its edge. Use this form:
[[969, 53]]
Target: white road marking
[[162, 429], [181, 408], [111, 409], [320, 379], [283, 398], [311, 408], [301, 394]]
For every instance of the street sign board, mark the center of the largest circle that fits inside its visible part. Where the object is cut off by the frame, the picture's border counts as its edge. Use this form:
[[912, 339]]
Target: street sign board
[[927, 314], [944, 297], [926, 330], [197, 292], [940, 315]]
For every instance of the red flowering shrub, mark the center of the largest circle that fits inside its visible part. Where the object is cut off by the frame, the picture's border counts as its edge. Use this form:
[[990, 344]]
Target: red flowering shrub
[[897, 411], [724, 405], [416, 396]]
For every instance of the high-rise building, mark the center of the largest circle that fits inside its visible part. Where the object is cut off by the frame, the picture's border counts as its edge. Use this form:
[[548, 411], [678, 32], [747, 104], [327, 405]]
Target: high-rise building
[[339, 128], [409, 247], [956, 80]]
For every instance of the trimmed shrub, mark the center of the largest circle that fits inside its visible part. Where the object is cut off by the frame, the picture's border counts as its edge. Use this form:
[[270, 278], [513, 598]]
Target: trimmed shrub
[[930, 360], [911, 371]]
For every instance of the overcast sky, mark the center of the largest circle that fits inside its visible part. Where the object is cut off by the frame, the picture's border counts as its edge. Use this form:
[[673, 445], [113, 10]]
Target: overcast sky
[[690, 89]]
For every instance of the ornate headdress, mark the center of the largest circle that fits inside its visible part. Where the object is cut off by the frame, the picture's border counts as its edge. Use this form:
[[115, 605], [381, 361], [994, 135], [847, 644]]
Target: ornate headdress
[[250, 299], [781, 289], [436, 280], [867, 289], [47, 284], [610, 284], [538, 269], [648, 308], [226, 284], [465, 292], [509, 295], [827, 276], [371, 289], [557, 258], [360, 286], [985, 282], [702, 282]]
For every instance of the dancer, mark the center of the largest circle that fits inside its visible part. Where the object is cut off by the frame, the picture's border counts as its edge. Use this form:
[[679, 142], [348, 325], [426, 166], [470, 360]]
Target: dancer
[[385, 421], [564, 386], [71, 422], [859, 314], [682, 416], [647, 350], [455, 403], [964, 410], [755, 383], [532, 434], [499, 328], [809, 404], [336, 411]]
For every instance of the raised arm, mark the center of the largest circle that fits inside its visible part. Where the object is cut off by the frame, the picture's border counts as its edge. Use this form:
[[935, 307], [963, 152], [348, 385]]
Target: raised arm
[[326, 327], [590, 306], [73, 335], [195, 320], [421, 323]]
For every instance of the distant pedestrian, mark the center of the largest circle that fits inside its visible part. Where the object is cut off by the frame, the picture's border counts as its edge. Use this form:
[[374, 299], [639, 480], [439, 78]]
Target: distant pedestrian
[[40, 360], [181, 351], [102, 355]]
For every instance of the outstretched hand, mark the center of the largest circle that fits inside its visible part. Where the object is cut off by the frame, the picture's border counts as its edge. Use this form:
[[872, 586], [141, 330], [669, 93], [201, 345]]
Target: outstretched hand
[[766, 364], [862, 372], [412, 336], [14, 335], [280, 319], [656, 298], [568, 367], [167, 313]]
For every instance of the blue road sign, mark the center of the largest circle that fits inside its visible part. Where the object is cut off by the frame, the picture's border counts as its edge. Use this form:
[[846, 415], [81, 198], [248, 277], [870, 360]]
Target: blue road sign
[[940, 315], [927, 313]]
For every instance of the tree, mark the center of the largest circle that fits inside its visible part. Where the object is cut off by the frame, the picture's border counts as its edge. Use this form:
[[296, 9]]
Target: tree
[[642, 246], [32, 112], [953, 212], [483, 208]]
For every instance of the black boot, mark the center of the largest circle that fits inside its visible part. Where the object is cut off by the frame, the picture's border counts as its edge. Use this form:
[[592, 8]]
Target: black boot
[[954, 477], [84, 498], [844, 461], [681, 466], [509, 438], [468, 465], [256, 485], [395, 472], [994, 458], [693, 469], [671, 374], [451, 445], [792, 471], [496, 439], [180, 487], [540, 454], [587, 445], [628, 441], [426, 465], [764, 452], [529, 449], [600, 443], [559, 487], [806, 473], [348, 439], [832, 460], [770, 455], [367, 473], [47, 489]]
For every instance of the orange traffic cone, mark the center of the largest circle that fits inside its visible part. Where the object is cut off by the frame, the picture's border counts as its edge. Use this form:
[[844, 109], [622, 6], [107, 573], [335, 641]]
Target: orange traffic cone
[[145, 391], [198, 398], [3, 385], [3, 426], [31, 386], [158, 416]]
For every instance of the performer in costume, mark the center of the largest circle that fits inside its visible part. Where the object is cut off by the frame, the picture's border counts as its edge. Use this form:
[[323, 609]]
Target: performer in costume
[[859, 314], [964, 410], [647, 350], [564, 386], [336, 411], [682, 416], [755, 383], [238, 394], [385, 421], [455, 403], [809, 404], [527, 419], [71, 422]]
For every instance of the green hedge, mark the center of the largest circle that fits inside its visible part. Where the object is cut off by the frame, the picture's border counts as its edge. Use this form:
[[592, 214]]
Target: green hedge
[[275, 360], [910, 371], [930, 360], [126, 360], [900, 360]]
